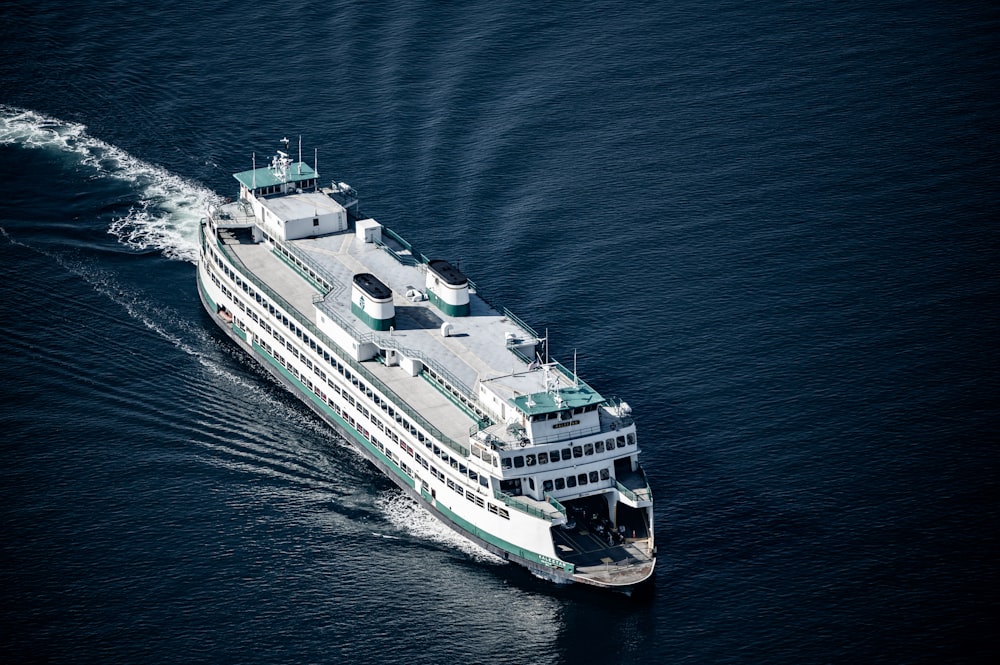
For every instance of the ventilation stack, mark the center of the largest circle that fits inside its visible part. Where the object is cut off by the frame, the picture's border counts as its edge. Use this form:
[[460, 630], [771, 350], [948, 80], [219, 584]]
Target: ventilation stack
[[447, 288], [371, 301]]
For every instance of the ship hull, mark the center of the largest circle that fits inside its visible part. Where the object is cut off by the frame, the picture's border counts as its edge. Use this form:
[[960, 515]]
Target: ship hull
[[552, 574]]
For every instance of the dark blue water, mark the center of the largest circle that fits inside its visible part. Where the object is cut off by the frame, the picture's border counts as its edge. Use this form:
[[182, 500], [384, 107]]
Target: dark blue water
[[772, 228]]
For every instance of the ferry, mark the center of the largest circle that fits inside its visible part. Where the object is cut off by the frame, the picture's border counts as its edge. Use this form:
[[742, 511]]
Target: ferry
[[447, 393]]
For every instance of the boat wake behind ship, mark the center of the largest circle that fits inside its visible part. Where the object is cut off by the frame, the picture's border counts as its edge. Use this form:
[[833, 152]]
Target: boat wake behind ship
[[451, 396]]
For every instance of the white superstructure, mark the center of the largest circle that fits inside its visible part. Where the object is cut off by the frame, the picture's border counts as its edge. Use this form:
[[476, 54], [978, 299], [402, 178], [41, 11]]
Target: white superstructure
[[452, 397]]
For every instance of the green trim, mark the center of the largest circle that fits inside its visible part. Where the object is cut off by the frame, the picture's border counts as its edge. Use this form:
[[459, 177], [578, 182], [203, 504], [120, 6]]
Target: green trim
[[449, 309], [571, 398], [335, 350], [204, 292], [312, 282], [265, 177], [503, 544], [239, 331], [370, 321], [333, 414], [454, 517]]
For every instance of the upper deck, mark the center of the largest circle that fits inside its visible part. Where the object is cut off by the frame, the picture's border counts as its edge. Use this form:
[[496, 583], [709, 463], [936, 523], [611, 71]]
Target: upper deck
[[487, 358]]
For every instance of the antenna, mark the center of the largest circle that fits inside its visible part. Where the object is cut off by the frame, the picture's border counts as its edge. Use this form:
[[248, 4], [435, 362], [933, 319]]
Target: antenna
[[546, 346], [576, 379], [316, 169], [300, 154], [254, 159]]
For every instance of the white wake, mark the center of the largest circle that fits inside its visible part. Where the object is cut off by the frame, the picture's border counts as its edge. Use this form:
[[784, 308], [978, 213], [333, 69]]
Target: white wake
[[170, 207]]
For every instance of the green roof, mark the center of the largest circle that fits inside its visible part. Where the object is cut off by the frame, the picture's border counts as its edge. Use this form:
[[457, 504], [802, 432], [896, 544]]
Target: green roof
[[582, 395], [265, 177]]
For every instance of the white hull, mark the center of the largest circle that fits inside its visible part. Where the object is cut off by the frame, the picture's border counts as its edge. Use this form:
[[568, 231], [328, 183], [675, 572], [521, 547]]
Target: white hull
[[408, 412]]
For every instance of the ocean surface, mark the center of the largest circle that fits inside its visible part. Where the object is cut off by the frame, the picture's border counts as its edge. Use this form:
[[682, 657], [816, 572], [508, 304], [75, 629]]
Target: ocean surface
[[771, 227]]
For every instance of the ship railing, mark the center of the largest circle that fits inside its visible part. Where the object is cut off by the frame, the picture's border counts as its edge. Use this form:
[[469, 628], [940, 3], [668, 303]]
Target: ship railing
[[233, 214], [640, 488], [474, 288], [575, 434], [414, 259], [382, 341], [521, 506], [520, 354], [344, 323], [387, 342], [616, 403], [639, 494], [503, 440], [626, 492], [480, 425], [399, 403], [521, 324], [555, 504], [403, 259], [320, 274]]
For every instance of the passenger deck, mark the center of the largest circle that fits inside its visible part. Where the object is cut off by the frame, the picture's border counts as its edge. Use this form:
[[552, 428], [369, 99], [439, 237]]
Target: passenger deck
[[438, 409]]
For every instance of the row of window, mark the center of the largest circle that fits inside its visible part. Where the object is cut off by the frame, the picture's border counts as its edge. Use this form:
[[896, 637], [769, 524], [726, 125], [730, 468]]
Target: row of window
[[514, 486], [319, 350], [277, 189], [468, 493], [595, 448], [563, 415], [457, 465]]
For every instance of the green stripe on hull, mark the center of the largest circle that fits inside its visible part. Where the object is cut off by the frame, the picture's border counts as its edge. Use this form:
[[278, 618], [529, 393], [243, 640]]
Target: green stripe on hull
[[204, 293], [444, 510], [333, 414], [503, 544]]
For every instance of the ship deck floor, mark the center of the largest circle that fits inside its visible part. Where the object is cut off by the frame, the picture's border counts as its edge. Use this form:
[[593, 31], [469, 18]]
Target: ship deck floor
[[475, 349], [438, 409]]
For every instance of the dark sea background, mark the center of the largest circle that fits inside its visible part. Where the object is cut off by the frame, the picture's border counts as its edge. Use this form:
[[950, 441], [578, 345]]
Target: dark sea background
[[771, 227]]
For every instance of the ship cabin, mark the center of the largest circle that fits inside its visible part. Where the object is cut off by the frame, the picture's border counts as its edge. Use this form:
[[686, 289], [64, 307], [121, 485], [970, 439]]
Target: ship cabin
[[561, 441], [559, 414], [285, 196]]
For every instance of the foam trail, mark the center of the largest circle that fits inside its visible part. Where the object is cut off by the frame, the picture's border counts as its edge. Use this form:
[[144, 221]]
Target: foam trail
[[404, 513], [170, 207]]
